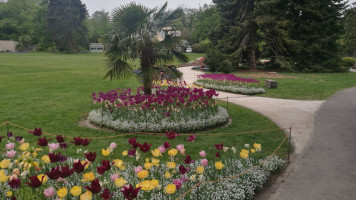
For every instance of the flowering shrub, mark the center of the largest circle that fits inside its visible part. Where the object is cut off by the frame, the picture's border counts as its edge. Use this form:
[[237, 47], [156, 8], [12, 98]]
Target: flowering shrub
[[229, 83], [171, 108], [145, 171]]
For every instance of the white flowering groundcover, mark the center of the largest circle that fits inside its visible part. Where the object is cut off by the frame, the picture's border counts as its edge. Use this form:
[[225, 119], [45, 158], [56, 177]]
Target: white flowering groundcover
[[129, 120], [239, 89]]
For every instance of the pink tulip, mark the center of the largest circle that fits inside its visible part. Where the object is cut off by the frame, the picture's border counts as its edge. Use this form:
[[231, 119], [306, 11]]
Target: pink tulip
[[114, 176], [49, 192], [53, 146], [204, 162], [11, 154], [180, 147], [138, 169], [182, 151], [162, 149], [113, 145], [202, 153], [10, 146]]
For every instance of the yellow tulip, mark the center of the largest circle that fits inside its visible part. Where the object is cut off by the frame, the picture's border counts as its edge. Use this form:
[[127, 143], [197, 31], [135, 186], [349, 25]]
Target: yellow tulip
[[3, 177], [118, 163], [171, 165], [62, 192], [257, 146], [46, 159], [9, 193], [148, 185], [253, 150], [244, 153], [156, 153], [155, 162], [200, 170], [170, 189], [24, 146], [167, 174], [142, 174], [42, 177], [147, 165], [105, 152], [172, 152], [88, 176], [125, 153], [120, 182], [86, 196], [5, 163], [219, 165], [76, 191]]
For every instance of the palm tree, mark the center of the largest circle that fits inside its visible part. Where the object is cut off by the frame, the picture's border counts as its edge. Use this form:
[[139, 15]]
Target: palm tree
[[134, 35]]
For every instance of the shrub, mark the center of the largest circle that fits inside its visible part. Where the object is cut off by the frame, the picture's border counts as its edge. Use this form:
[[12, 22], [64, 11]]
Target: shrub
[[348, 61]]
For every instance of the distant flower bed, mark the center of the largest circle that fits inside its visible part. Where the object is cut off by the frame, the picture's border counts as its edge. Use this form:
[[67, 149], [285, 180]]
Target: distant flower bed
[[177, 108], [230, 83], [142, 171]]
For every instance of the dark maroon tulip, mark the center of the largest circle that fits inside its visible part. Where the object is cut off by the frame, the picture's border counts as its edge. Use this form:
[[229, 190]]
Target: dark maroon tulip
[[13, 198], [133, 142], [166, 145], [66, 172], [77, 141], [34, 182], [54, 174], [191, 138], [101, 169], [63, 145], [132, 152], [129, 192], [219, 146], [79, 167], [60, 138], [9, 134], [95, 187], [36, 132], [188, 160], [144, 147], [106, 164], [90, 156], [18, 138], [54, 157], [182, 169], [106, 195], [217, 154], [15, 183], [42, 141], [85, 141], [171, 135]]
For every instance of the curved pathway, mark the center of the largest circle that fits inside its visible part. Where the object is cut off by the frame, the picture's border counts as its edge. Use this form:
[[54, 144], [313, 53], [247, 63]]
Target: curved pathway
[[324, 137]]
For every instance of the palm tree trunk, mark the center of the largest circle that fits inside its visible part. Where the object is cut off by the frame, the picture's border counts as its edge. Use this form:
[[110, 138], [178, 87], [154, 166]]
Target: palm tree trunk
[[146, 66]]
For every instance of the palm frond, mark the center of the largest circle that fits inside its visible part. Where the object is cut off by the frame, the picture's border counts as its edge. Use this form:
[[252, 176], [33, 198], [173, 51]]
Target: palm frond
[[118, 68]]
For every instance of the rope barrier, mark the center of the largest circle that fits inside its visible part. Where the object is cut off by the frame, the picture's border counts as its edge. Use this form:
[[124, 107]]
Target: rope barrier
[[4, 123], [235, 176], [159, 134]]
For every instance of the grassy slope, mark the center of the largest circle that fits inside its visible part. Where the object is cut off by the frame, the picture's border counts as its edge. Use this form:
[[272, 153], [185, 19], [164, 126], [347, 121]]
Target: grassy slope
[[53, 91]]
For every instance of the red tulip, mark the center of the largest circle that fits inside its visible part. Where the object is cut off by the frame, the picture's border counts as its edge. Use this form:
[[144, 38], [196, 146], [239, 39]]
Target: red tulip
[[15, 183], [106, 195], [219, 146], [79, 167], [182, 170], [129, 192], [101, 169], [60, 138], [166, 145], [188, 160], [132, 152], [171, 135], [106, 164], [55, 173], [144, 147], [42, 141], [90, 156], [95, 187], [34, 182], [36, 132], [66, 172], [133, 142]]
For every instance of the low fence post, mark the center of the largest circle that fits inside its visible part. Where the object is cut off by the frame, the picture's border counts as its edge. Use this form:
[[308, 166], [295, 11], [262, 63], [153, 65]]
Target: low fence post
[[290, 138], [7, 127]]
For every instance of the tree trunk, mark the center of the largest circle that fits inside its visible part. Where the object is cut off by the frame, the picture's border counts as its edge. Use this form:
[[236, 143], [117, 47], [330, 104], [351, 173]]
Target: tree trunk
[[253, 59]]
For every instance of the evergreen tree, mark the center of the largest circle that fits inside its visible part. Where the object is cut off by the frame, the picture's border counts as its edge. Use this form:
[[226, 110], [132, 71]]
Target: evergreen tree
[[350, 31], [65, 24], [98, 25], [316, 25]]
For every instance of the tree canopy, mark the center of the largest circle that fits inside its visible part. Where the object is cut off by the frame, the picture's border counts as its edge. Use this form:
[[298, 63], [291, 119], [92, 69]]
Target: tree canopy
[[135, 35]]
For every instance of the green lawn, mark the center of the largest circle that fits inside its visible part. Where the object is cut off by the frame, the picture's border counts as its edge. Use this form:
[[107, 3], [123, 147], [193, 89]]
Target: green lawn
[[53, 91], [309, 86]]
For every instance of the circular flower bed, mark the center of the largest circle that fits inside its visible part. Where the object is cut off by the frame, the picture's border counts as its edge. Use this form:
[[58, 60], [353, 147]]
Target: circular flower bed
[[174, 108], [229, 83]]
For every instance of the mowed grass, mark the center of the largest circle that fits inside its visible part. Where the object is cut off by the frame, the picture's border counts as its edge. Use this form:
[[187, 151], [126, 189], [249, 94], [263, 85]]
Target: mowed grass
[[307, 86], [53, 91]]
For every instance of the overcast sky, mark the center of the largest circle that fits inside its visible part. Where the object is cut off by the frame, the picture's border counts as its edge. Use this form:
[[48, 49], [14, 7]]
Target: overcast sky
[[109, 5]]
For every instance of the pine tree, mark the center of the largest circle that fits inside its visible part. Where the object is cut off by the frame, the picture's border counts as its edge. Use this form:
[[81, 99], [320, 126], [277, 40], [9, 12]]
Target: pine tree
[[316, 27], [65, 24]]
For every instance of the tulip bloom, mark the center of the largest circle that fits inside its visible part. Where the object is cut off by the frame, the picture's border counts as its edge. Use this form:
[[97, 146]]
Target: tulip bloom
[[90, 156], [49, 192], [34, 182], [94, 187], [129, 192], [36, 132]]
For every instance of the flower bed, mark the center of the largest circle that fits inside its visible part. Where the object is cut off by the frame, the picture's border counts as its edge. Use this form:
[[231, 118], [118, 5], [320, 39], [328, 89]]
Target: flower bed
[[229, 83], [144, 170], [175, 108]]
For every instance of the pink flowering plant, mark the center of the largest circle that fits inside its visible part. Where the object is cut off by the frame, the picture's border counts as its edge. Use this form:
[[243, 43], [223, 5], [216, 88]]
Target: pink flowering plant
[[230, 83], [143, 170], [177, 108]]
